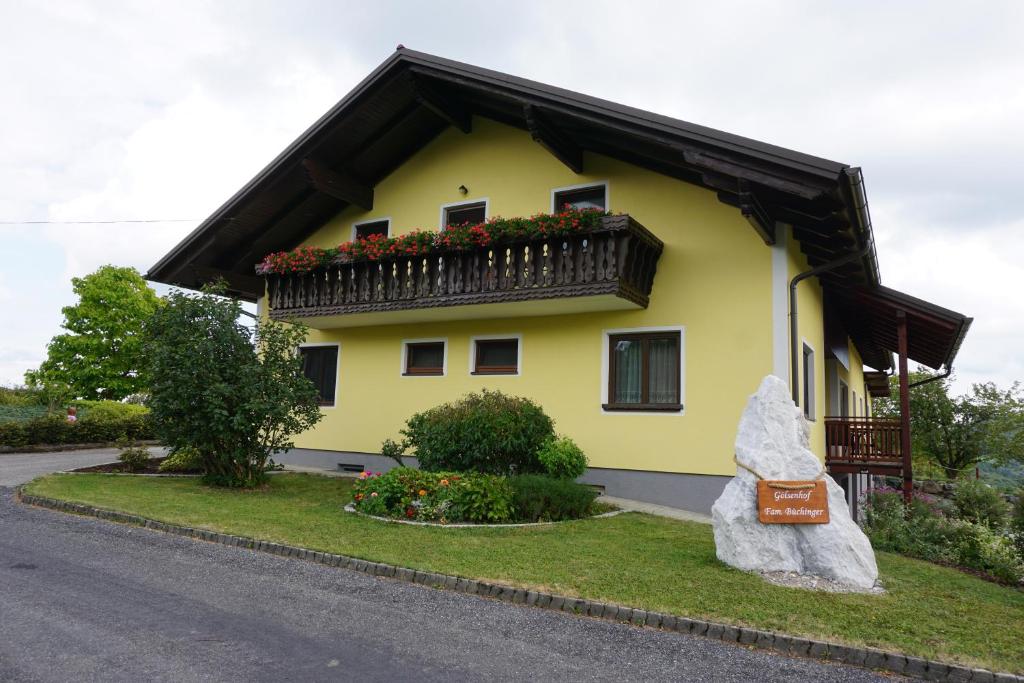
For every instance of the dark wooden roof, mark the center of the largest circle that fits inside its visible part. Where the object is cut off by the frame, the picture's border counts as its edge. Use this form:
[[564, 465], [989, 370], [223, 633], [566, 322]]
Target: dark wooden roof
[[411, 97]]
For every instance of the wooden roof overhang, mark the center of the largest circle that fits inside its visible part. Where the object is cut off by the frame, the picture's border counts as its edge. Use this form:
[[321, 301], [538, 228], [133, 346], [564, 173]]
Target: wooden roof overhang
[[412, 97], [877, 384], [871, 316]]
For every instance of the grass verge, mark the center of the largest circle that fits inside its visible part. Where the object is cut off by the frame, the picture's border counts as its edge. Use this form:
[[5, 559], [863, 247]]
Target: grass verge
[[632, 559]]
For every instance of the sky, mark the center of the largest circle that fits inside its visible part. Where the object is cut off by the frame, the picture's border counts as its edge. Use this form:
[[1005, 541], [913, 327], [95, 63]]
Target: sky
[[160, 111]]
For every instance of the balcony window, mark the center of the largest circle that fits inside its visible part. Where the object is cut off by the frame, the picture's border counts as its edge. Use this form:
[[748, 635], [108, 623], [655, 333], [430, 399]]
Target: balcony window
[[644, 371], [424, 358], [592, 197], [320, 366], [496, 357], [361, 231], [461, 214]]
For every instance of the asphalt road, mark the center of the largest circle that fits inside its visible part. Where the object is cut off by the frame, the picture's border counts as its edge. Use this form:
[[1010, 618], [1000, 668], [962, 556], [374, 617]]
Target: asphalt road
[[82, 599], [18, 468]]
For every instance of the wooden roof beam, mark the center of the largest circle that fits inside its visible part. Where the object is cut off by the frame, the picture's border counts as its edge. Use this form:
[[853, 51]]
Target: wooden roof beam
[[551, 139], [337, 185], [750, 207], [251, 286], [450, 110]]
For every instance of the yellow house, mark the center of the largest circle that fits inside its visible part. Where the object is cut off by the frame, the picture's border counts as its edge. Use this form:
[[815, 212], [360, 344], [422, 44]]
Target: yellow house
[[716, 260]]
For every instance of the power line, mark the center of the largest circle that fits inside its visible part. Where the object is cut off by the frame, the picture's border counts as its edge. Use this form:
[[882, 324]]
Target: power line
[[145, 220]]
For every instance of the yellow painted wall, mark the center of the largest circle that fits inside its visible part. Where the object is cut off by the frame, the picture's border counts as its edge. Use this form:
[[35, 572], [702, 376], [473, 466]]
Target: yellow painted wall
[[714, 279], [811, 330]]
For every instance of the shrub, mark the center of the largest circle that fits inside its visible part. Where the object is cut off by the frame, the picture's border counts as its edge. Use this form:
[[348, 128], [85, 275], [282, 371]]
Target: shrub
[[235, 393], [562, 458], [538, 498], [980, 504], [1017, 523], [13, 434], [977, 546], [487, 432], [113, 410], [434, 496], [134, 457], [183, 459]]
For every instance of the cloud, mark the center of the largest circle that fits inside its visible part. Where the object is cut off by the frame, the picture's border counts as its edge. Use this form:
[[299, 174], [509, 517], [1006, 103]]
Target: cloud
[[130, 113]]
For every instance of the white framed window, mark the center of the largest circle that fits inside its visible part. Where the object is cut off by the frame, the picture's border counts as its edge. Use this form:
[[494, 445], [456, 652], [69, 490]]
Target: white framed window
[[377, 226], [643, 370], [321, 364], [808, 381], [496, 354], [470, 211], [425, 357], [583, 196]]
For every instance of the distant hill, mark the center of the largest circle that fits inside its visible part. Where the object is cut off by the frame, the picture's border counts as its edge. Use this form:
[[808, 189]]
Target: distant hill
[[1008, 477]]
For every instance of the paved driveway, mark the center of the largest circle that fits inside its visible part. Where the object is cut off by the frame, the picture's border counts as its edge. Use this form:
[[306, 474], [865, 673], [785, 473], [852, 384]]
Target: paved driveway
[[18, 468], [82, 599]]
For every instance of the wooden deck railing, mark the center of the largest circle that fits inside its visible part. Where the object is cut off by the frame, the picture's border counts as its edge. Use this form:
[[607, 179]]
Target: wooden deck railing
[[862, 442], [619, 258]]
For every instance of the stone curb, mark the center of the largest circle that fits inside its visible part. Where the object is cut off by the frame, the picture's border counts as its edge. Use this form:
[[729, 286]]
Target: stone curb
[[866, 657]]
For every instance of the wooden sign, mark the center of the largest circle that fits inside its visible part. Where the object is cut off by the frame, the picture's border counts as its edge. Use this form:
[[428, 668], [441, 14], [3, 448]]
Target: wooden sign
[[792, 502]]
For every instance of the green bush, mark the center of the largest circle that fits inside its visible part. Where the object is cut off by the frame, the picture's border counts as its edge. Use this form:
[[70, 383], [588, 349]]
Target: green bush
[[1017, 523], [981, 504], [434, 496], [113, 410], [925, 531], [537, 498], [21, 396], [977, 546], [134, 458], [184, 459], [488, 432], [562, 458], [54, 429]]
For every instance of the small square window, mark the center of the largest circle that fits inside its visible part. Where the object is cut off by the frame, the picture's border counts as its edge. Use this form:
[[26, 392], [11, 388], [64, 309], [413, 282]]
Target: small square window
[[320, 366], [364, 230], [583, 198], [463, 214], [424, 358], [497, 357]]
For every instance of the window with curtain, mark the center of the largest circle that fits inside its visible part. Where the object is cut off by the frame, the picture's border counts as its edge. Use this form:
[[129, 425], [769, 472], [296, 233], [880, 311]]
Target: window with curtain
[[582, 198], [644, 371], [320, 365]]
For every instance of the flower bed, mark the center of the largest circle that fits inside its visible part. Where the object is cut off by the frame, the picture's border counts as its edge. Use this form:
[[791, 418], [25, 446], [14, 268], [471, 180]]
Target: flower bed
[[454, 238], [453, 497]]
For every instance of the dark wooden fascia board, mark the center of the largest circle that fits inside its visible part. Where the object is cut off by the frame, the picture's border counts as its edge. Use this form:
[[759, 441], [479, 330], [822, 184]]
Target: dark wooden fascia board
[[336, 184], [452, 111], [553, 140], [250, 286]]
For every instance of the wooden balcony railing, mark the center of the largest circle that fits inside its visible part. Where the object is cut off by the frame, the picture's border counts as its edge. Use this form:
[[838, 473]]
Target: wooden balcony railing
[[855, 444], [618, 258]]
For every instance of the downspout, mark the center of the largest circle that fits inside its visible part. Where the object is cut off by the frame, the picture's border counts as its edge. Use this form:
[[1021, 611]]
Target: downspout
[[793, 333], [862, 219]]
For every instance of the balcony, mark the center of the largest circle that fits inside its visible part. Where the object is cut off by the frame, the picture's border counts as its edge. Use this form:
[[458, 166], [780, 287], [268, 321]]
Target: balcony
[[610, 267], [863, 445]]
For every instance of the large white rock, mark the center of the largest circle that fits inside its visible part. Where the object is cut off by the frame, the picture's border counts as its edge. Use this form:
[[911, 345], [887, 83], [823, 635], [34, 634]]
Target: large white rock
[[773, 440]]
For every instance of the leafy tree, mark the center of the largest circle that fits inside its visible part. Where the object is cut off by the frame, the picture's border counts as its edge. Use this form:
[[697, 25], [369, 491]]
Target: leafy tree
[[958, 432], [234, 394], [99, 356]]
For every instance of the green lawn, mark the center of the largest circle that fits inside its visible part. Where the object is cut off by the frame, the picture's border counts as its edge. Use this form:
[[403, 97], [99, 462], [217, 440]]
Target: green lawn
[[632, 559]]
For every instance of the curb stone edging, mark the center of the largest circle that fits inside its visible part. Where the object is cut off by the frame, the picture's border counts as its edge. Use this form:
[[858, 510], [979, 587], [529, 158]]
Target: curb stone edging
[[866, 657]]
